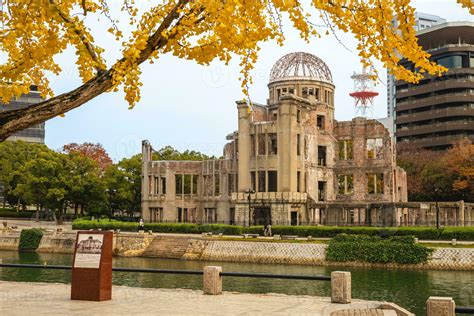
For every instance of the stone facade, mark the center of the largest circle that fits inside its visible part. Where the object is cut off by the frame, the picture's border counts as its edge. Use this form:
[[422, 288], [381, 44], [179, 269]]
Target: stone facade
[[289, 163]]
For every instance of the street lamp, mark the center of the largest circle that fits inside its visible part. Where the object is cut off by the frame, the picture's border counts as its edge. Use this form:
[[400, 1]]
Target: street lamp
[[249, 192]]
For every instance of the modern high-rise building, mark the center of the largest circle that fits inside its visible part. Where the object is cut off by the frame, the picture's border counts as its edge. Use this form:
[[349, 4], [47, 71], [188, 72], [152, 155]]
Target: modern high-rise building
[[439, 111], [34, 134], [422, 21]]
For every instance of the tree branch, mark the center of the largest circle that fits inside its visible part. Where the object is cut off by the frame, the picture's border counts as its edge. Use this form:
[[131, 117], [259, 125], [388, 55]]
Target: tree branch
[[15, 120]]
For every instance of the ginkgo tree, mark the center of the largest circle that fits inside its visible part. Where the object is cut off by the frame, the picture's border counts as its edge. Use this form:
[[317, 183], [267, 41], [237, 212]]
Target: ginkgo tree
[[34, 32]]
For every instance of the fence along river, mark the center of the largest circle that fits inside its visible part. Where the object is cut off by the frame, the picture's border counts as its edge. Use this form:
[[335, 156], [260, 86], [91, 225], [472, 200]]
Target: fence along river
[[409, 289]]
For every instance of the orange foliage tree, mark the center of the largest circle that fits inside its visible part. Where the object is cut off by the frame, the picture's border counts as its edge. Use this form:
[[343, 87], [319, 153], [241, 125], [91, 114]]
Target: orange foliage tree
[[95, 152]]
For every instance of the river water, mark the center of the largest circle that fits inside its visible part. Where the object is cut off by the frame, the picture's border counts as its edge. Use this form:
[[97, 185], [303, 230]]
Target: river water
[[409, 289]]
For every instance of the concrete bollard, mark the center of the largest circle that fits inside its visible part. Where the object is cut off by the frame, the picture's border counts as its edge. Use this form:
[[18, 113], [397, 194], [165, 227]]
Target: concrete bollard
[[212, 280], [416, 240], [440, 306], [453, 242], [341, 291]]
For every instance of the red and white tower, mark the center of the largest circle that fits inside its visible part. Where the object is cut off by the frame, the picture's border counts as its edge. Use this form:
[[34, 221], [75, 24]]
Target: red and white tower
[[363, 94]]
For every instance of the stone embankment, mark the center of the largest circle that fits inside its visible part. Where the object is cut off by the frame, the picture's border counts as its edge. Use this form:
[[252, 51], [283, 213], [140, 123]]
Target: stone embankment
[[215, 249]]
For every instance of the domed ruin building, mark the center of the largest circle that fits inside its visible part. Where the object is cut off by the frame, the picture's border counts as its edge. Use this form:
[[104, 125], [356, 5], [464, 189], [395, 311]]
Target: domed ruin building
[[289, 163]]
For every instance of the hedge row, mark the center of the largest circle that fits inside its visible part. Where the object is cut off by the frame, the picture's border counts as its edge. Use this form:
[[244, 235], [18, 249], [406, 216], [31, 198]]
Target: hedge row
[[423, 233], [374, 249], [30, 239], [6, 212], [105, 224]]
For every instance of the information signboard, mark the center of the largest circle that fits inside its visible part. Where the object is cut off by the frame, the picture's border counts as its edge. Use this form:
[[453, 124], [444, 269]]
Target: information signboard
[[92, 266]]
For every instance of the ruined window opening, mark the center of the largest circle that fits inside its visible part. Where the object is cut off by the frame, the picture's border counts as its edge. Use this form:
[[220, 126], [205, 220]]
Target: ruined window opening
[[261, 181], [274, 115], [195, 184], [217, 188], [230, 183], [374, 148], [182, 214], [284, 91], [291, 91], [375, 183], [156, 214], [272, 144], [278, 93], [210, 215], [207, 185], [321, 190], [252, 145], [252, 180], [150, 186], [272, 181], [298, 143], [316, 93], [187, 178], [345, 149], [156, 185], [232, 216], [163, 185], [320, 122], [261, 144], [298, 178], [311, 91], [346, 184], [298, 116], [304, 92], [179, 184], [322, 156]]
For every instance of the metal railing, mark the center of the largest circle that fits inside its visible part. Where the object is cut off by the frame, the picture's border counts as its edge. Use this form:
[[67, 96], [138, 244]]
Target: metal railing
[[173, 271], [464, 310]]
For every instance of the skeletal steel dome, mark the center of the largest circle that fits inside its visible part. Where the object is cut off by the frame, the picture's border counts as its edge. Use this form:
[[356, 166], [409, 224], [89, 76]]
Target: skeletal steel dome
[[300, 65]]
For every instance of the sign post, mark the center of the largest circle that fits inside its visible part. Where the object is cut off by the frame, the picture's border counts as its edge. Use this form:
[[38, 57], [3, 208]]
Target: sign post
[[92, 266]]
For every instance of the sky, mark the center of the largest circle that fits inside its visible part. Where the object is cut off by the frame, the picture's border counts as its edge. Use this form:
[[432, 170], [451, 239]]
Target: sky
[[189, 106]]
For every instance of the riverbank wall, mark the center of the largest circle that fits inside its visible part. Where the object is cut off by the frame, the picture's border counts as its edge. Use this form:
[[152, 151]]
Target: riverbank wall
[[215, 249]]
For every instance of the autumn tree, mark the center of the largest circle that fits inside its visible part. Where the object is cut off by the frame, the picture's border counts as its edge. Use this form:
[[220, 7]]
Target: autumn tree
[[440, 176], [35, 32], [459, 160], [95, 152]]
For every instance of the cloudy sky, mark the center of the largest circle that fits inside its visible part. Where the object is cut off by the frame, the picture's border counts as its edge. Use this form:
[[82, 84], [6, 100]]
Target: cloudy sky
[[189, 106]]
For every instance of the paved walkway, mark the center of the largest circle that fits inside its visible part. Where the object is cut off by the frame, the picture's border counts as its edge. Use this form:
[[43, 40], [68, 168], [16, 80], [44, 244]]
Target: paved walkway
[[18, 298]]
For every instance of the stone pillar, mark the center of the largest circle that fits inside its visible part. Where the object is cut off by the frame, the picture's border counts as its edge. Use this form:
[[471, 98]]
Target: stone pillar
[[440, 306], [341, 287], [146, 159], [212, 280], [244, 147], [287, 152]]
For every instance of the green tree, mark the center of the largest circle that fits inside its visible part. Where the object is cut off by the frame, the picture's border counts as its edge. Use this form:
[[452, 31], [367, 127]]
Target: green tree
[[13, 157], [88, 189], [45, 181]]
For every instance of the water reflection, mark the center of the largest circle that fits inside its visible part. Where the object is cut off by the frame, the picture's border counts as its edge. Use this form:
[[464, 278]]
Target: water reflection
[[409, 289]]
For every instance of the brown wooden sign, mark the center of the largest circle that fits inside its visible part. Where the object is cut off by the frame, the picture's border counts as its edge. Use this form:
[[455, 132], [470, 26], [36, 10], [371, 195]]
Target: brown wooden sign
[[92, 266]]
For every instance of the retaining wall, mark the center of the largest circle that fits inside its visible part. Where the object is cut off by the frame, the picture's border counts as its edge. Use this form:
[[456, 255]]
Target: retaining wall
[[212, 249]]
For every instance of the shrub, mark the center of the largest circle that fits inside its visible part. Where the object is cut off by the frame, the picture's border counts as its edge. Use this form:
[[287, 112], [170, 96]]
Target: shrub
[[30, 239], [12, 213], [375, 249]]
